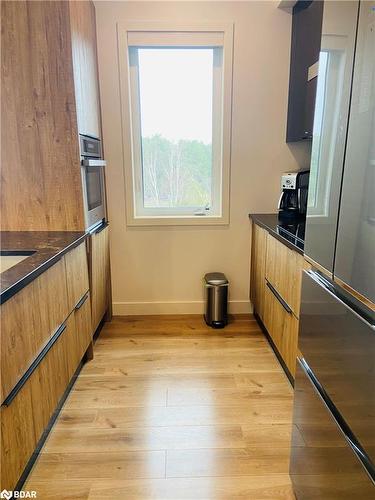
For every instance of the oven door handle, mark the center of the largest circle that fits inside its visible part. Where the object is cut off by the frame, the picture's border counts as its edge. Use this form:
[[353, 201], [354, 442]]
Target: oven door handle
[[93, 163]]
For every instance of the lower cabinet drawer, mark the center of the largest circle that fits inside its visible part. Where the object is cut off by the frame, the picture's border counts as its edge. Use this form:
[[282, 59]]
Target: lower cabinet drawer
[[18, 438], [26, 327], [284, 270], [282, 327], [78, 334]]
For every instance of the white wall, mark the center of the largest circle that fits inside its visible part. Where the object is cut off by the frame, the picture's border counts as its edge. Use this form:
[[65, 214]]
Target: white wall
[[159, 270]]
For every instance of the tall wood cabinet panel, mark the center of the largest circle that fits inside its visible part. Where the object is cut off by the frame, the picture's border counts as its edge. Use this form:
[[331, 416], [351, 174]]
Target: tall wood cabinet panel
[[100, 280], [83, 33], [258, 268], [40, 175]]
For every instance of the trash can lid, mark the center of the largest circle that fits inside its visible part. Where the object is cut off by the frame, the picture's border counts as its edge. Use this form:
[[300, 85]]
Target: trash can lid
[[215, 279]]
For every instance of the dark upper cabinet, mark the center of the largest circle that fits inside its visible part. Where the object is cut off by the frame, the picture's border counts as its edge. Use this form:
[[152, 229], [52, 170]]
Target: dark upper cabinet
[[306, 35]]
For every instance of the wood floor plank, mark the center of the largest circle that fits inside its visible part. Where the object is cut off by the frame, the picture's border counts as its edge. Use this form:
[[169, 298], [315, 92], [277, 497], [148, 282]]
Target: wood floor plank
[[100, 465], [122, 397], [150, 438], [227, 462], [222, 397], [177, 344], [275, 487], [253, 412], [59, 490], [275, 381], [168, 365], [271, 435], [120, 381]]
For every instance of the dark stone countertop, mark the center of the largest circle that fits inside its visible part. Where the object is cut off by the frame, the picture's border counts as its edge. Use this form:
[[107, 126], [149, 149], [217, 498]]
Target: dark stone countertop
[[291, 231], [47, 247]]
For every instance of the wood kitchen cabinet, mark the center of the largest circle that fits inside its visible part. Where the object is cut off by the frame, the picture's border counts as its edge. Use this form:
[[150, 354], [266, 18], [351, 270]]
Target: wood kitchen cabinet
[[100, 274], [284, 271], [77, 275], [48, 97], [26, 326], [40, 357], [85, 67], [78, 334], [26, 417], [282, 327], [305, 48], [276, 274], [258, 268], [18, 438]]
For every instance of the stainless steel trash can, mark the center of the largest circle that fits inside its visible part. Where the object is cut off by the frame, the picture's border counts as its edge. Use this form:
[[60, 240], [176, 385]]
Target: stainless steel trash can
[[216, 299]]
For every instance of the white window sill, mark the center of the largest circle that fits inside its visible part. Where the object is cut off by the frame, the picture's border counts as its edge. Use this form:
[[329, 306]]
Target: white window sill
[[203, 220]]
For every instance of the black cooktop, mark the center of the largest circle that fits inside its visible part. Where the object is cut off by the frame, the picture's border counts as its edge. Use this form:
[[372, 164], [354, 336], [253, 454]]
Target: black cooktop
[[293, 232], [290, 231]]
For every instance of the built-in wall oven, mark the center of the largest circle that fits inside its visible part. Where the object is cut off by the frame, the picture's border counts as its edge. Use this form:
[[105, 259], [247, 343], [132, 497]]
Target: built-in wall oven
[[92, 165]]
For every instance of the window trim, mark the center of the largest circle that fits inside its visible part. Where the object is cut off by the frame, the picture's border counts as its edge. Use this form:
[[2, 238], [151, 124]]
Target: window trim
[[128, 124]]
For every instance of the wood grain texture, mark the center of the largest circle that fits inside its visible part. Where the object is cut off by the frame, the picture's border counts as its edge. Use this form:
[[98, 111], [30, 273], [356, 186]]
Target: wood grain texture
[[28, 321], [26, 326], [258, 268], [99, 273], [283, 329], [27, 416], [284, 272], [85, 67], [18, 438], [77, 274], [194, 429], [40, 175], [25, 420], [82, 320]]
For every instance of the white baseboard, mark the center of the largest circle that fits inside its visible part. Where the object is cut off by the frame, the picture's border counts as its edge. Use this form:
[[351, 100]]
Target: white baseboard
[[191, 307]]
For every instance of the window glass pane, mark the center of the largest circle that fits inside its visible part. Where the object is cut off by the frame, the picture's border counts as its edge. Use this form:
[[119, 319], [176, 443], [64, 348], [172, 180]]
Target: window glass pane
[[175, 92], [318, 129]]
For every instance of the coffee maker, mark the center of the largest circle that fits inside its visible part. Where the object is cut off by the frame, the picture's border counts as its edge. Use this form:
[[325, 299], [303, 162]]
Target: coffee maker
[[293, 198]]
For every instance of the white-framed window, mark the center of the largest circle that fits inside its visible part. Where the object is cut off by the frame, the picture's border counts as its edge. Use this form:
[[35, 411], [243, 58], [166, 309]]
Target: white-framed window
[[176, 108]]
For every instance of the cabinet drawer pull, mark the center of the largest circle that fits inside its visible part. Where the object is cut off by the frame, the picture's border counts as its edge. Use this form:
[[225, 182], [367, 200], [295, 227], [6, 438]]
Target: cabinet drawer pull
[[81, 302], [100, 228], [279, 298], [34, 365]]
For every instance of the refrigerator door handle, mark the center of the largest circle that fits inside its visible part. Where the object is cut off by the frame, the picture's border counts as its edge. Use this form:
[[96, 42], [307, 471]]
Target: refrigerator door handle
[[363, 313]]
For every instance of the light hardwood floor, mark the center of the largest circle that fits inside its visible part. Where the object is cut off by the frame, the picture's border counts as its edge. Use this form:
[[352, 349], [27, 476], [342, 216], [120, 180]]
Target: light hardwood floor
[[172, 409]]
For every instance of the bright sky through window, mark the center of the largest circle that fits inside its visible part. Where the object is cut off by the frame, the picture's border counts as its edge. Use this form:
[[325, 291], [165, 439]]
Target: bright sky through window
[[176, 93]]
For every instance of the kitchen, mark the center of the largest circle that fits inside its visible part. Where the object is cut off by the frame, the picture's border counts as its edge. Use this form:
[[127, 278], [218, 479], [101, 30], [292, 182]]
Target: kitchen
[[144, 145]]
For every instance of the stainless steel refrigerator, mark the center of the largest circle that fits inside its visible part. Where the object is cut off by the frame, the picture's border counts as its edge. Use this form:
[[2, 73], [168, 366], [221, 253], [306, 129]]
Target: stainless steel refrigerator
[[333, 443]]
